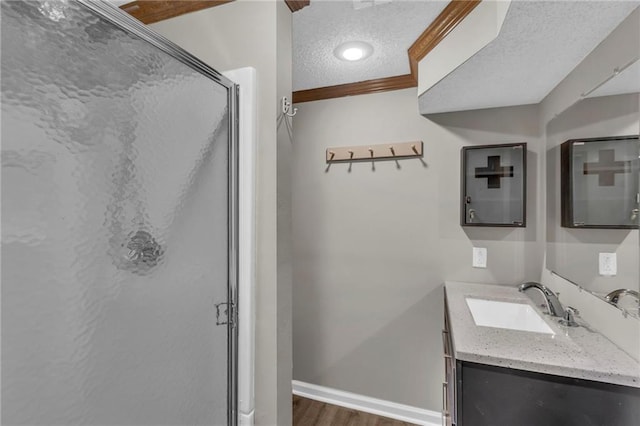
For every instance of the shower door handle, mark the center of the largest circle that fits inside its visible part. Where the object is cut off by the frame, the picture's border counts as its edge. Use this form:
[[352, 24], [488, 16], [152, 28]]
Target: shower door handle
[[225, 314]]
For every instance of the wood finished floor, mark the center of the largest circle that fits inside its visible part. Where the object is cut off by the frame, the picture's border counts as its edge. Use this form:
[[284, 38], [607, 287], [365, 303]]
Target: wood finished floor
[[307, 412]]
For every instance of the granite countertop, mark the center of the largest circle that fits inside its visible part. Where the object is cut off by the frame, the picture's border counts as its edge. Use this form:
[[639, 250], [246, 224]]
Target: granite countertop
[[576, 352]]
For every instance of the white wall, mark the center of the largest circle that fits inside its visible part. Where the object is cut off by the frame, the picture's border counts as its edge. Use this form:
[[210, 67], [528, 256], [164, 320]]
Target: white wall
[[258, 34], [372, 248]]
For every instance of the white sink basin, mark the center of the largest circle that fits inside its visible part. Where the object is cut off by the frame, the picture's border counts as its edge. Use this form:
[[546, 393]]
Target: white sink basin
[[514, 316]]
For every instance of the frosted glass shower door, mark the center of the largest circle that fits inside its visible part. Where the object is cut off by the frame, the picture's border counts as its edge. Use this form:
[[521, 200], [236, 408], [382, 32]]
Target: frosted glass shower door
[[118, 240]]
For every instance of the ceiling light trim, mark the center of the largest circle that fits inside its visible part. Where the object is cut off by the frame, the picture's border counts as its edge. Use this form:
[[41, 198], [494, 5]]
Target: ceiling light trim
[[353, 51]]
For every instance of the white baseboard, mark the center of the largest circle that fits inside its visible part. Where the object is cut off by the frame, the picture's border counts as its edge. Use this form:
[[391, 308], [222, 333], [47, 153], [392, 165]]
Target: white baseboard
[[367, 404]]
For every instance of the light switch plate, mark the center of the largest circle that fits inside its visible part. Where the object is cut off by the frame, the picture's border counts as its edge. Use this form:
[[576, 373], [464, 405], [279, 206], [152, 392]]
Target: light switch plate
[[479, 257], [607, 264]]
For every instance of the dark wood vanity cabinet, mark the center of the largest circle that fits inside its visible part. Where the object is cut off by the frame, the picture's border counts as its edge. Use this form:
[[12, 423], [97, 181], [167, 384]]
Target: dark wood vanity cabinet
[[495, 396], [484, 395], [449, 410]]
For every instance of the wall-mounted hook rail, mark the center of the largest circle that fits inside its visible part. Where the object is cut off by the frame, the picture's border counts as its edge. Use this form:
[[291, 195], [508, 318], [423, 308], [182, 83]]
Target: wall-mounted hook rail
[[286, 108], [375, 152]]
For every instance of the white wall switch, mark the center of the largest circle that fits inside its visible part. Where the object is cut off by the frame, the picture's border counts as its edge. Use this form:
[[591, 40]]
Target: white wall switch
[[479, 257], [607, 264]]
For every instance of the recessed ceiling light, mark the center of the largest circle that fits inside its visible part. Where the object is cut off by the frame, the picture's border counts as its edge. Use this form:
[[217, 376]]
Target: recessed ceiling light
[[353, 51]]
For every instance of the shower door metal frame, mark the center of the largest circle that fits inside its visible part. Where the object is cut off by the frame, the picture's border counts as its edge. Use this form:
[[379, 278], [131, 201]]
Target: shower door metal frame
[[129, 24]]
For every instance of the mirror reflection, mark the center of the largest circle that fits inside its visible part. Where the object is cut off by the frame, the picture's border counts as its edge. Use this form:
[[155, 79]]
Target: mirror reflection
[[603, 125]]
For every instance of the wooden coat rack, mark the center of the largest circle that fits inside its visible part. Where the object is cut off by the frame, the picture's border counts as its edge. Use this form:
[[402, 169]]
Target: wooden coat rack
[[393, 151]]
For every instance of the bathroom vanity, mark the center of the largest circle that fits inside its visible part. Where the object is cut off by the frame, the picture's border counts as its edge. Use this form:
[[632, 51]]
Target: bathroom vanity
[[503, 375]]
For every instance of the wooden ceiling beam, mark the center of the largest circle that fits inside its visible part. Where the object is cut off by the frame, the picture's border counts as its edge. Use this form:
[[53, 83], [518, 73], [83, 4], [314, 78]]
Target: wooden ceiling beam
[[150, 11]]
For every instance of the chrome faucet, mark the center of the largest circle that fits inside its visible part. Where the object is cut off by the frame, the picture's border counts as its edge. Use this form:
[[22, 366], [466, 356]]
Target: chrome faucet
[[615, 295], [553, 304], [569, 318]]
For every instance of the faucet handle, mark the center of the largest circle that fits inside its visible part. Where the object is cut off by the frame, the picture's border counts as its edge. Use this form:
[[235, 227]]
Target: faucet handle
[[569, 318]]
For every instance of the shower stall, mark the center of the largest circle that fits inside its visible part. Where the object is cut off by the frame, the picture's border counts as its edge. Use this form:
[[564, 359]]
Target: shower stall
[[119, 259]]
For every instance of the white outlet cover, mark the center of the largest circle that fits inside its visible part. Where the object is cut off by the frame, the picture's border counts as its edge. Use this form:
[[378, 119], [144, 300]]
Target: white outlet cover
[[607, 264], [479, 257]]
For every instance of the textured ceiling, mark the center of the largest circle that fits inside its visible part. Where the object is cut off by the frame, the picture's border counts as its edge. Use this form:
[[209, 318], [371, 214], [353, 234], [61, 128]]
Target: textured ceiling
[[540, 43], [390, 27], [628, 81]]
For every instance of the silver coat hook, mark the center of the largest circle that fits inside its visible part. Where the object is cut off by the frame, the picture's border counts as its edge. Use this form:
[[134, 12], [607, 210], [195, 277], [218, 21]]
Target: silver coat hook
[[286, 108]]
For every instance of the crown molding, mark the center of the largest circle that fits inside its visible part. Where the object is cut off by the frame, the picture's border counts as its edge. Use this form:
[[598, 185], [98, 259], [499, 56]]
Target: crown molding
[[295, 5], [448, 19], [150, 11], [351, 89]]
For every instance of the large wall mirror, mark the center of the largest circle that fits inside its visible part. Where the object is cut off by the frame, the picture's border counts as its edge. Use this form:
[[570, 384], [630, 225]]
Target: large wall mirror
[[582, 254]]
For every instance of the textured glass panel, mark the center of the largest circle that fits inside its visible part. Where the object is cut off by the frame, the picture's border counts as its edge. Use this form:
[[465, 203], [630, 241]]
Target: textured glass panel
[[114, 226]]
